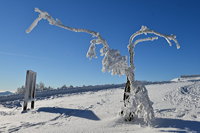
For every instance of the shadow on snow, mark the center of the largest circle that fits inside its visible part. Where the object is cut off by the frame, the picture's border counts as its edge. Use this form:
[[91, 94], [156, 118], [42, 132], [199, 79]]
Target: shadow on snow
[[182, 125], [87, 114]]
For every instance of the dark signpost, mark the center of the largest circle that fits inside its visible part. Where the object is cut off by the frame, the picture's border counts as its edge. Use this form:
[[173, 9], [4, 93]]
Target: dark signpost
[[29, 89]]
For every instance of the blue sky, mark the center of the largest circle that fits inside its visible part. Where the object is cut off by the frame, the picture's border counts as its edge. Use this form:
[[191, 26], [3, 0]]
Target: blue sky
[[59, 56]]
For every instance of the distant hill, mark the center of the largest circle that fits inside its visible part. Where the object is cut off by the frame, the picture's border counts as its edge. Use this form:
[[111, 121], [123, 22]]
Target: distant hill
[[187, 78], [5, 93]]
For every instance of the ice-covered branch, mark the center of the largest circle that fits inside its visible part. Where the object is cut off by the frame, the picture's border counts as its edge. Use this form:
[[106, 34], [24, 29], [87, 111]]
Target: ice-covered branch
[[35, 22], [113, 62], [91, 51], [145, 30], [145, 39], [52, 21]]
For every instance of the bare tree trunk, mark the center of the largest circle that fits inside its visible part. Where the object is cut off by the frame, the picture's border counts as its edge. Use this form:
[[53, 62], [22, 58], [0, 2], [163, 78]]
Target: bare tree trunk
[[127, 91], [126, 99]]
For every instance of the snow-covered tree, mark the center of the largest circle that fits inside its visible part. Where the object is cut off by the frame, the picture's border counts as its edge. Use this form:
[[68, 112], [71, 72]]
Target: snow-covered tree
[[40, 86], [21, 90], [136, 101]]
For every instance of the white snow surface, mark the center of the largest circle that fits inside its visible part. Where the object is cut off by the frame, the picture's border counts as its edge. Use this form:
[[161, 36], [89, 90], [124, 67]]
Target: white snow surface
[[176, 106]]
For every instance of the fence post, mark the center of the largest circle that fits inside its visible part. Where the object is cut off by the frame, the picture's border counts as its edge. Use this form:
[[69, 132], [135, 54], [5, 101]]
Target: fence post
[[29, 89]]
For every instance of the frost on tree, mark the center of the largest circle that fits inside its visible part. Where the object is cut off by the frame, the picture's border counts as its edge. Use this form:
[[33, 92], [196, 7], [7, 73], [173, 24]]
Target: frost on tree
[[136, 101]]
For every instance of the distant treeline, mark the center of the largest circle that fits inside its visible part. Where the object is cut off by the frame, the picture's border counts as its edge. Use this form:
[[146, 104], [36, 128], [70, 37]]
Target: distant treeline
[[41, 87], [48, 91]]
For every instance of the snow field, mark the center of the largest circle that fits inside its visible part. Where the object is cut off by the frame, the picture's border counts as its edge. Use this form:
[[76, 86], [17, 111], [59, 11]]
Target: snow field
[[97, 112]]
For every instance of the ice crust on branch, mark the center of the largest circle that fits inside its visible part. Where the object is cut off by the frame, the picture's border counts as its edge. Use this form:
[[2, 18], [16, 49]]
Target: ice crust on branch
[[91, 51], [145, 39], [52, 21], [113, 62], [145, 30]]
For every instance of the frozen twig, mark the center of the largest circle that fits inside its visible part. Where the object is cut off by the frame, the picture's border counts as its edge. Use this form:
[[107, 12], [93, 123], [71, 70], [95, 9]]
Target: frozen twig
[[145, 30], [52, 21], [113, 61]]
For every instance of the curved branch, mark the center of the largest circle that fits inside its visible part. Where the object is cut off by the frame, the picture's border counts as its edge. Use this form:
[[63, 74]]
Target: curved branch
[[145, 30], [112, 62], [52, 21], [145, 39]]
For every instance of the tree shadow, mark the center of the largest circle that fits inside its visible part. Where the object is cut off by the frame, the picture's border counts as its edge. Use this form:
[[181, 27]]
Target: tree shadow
[[87, 114], [182, 125]]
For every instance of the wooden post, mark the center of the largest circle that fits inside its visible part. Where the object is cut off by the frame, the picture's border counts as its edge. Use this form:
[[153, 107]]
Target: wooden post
[[29, 89]]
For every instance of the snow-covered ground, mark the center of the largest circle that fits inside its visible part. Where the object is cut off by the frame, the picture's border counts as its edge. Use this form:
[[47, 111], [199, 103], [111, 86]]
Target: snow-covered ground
[[176, 107]]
